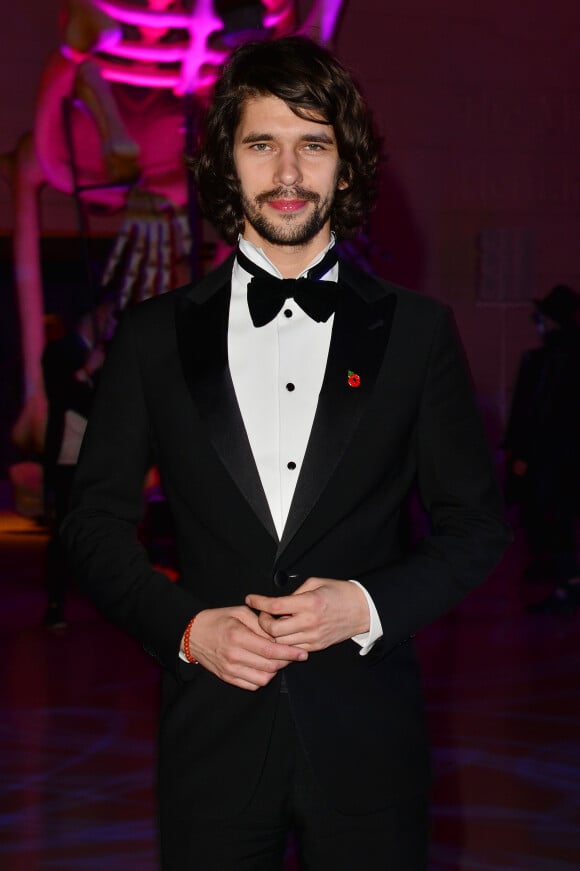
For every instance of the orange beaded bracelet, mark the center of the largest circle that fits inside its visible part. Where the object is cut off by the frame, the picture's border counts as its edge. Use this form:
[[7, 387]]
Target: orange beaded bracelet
[[187, 652]]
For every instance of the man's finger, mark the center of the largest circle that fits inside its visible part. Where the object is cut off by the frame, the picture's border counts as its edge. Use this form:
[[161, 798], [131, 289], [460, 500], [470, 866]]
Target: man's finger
[[275, 605], [245, 645], [304, 640], [250, 619], [279, 627], [272, 650]]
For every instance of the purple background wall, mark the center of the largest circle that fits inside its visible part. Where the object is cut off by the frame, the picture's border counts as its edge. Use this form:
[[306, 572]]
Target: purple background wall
[[480, 108]]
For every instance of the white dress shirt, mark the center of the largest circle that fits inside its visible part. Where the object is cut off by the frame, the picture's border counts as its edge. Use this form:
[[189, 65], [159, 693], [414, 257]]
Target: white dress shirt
[[277, 371]]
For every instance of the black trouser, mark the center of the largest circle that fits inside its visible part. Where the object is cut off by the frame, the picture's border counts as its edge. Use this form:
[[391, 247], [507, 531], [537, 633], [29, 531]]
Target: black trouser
[[288, 799]]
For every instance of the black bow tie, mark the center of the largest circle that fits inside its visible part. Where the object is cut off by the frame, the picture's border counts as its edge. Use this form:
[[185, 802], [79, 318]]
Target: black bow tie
[[267, 294]]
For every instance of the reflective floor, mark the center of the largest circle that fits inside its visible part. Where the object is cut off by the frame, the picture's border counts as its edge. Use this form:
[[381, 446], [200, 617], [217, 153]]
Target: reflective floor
[[77, 730]]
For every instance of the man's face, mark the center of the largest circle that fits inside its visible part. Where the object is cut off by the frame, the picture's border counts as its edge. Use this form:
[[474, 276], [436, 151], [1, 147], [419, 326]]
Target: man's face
[[288, 170]]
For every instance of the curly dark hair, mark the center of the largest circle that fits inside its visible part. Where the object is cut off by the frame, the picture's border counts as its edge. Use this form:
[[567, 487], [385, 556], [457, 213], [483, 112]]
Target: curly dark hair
[[311, 81]]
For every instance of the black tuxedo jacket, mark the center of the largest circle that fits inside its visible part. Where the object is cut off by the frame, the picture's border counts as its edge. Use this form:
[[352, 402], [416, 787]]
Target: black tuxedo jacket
[[166, 397]]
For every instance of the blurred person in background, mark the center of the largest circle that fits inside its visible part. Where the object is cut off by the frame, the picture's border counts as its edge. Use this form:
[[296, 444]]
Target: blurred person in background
[[70, 365], [542, 443]]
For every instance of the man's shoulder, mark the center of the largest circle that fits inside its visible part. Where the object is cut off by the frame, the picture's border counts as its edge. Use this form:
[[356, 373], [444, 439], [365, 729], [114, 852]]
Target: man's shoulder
[[157, 306], [375, 287], [414, 299], [165, 305]]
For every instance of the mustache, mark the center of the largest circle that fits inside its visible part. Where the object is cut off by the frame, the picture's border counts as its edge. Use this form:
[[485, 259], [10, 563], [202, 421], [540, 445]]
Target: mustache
[[295, 193]]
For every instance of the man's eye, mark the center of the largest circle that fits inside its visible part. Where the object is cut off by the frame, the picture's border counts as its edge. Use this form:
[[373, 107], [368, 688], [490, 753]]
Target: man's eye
[[313, 146], [260, 146]]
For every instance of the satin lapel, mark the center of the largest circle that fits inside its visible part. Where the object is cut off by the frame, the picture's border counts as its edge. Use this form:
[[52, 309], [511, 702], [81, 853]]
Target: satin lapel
[[360, 334], [202, 330]]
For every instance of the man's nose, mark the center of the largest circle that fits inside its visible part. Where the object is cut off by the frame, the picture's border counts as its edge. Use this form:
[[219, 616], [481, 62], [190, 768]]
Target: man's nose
[[288, 170]]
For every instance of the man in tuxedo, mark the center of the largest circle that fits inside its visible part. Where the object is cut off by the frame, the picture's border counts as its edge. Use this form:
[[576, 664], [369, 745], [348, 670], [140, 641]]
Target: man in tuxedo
[[289, 420]]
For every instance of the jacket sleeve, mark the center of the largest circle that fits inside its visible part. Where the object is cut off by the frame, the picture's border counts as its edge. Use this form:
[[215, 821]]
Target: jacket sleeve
[[100, 532], [458, 488]]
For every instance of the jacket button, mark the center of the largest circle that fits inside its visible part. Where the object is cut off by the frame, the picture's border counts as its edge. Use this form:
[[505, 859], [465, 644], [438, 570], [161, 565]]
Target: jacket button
[[280, 578]]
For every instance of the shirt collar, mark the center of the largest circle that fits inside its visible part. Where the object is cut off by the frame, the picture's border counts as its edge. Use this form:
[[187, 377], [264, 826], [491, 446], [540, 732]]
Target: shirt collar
[[257, 256]]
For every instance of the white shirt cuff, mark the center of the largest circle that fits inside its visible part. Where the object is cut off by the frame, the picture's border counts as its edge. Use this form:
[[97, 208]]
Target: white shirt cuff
[[366, 640]]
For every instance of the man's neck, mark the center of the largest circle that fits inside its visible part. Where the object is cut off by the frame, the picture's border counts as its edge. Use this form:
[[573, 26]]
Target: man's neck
[[291, 260]]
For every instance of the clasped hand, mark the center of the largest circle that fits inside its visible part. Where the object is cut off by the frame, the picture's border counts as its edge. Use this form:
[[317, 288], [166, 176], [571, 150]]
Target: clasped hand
[[247, 645]]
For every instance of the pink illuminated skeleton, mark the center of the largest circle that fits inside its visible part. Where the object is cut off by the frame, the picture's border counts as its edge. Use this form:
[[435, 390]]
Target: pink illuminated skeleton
[[124, 74]]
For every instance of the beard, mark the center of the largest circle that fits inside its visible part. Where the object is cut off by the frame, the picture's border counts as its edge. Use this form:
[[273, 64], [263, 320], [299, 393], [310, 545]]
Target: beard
[[293, 231]]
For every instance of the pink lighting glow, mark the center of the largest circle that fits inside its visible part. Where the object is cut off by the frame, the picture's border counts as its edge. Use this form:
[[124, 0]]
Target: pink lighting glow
[[199, 62], [195, 56]]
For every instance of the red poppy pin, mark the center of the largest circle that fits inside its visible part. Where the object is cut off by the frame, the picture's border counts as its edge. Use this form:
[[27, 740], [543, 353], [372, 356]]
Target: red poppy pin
[[353, 379]]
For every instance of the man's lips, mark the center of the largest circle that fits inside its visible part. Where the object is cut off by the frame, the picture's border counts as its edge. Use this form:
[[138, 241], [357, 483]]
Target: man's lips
[[287, 205]]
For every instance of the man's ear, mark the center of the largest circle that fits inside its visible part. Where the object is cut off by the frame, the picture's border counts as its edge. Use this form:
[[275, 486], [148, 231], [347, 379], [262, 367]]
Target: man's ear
[[342, 184]]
